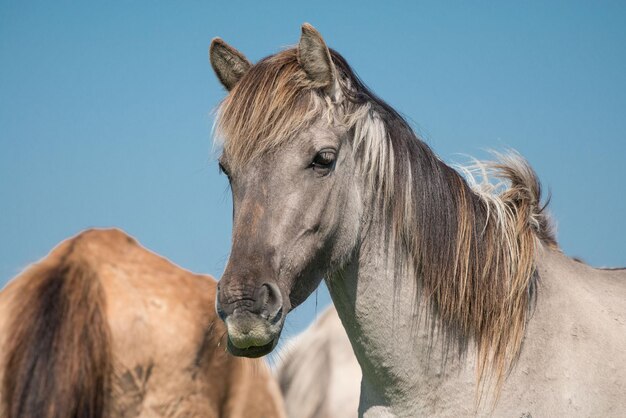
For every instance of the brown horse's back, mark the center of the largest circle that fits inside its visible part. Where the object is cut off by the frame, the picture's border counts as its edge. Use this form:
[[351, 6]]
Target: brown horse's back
[[165, 345]]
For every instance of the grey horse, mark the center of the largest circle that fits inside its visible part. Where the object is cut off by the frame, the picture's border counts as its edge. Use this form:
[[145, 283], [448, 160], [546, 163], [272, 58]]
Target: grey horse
[[454, 294]]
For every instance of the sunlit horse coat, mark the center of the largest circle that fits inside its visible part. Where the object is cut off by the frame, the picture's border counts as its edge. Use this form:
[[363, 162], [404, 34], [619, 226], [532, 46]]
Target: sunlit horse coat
[[102, 327]]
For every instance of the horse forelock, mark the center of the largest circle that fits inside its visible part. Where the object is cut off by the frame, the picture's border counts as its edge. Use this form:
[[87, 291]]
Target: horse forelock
[[271, 103], [275, 100]]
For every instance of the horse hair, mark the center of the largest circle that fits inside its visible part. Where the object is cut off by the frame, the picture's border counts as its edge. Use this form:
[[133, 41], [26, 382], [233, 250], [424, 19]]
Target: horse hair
[[58, 361]]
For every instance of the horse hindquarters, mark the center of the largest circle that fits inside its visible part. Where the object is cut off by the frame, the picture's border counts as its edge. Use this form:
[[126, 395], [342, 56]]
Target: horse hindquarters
[[57, 358]]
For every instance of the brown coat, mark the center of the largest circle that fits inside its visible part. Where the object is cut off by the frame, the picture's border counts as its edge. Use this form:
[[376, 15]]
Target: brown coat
[[103, 327]]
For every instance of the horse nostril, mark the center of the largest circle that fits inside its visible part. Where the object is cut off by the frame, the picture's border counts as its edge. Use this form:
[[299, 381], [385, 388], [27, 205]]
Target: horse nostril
[[269, 301], [218, 308]]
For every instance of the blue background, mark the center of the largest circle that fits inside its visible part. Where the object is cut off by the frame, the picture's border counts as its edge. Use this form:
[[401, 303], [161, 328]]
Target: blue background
[[105, 110]]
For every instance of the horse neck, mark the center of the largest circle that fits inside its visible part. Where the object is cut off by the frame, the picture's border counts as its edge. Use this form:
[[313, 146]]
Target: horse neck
[[378, 312], [394, 334], [376, 301]]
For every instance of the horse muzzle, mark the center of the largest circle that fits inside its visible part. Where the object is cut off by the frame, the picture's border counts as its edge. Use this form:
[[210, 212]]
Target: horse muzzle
[[253, 323]]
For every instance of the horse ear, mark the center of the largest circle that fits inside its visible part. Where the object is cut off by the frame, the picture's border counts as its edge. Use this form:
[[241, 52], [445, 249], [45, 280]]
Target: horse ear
[[228, 63], [314, 57]]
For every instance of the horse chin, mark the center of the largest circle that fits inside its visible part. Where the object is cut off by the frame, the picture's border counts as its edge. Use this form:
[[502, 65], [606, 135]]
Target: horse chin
[[252, 351], [251, 335]]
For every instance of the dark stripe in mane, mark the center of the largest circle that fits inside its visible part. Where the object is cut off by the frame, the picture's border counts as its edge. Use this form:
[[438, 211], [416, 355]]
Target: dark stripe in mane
[[58, 360]]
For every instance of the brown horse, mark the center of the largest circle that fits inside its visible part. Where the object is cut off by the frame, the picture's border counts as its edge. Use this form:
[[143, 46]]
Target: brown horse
[[103, 327]]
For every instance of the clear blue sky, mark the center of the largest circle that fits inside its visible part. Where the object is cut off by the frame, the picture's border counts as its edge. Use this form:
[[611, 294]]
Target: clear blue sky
[[105, 110]]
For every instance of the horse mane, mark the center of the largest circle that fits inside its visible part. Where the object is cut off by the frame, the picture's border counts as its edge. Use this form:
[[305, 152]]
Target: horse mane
[[58, 359], [470, 245]]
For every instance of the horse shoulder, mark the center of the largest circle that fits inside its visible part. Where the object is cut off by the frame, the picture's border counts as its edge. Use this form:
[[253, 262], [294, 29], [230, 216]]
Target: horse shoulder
[[573, 358], [170, 348], [158, 314]]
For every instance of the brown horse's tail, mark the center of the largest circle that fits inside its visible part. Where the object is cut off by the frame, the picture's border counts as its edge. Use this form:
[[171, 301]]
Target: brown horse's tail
[[58, 357]]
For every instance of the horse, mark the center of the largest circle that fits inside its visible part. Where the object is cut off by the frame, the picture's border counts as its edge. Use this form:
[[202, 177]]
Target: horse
[[318, 373], [102, 327], [450, 283]]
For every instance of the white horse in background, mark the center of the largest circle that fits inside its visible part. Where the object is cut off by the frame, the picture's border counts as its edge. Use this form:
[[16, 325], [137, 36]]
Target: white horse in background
[[318, 373]]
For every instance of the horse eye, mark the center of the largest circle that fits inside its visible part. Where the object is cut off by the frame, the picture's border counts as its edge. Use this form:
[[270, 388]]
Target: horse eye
[[323, 161]]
